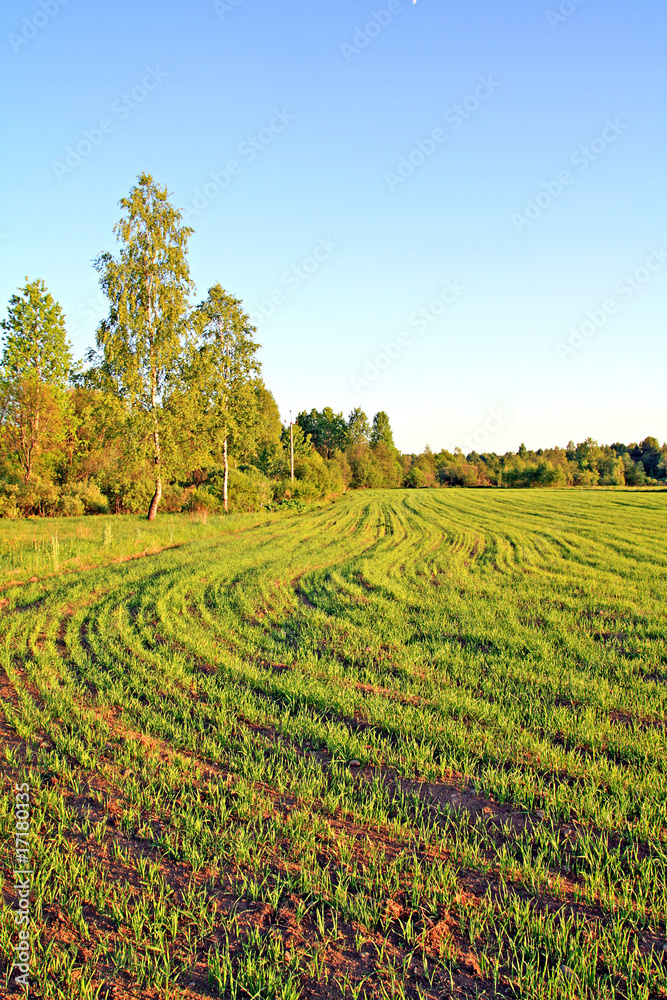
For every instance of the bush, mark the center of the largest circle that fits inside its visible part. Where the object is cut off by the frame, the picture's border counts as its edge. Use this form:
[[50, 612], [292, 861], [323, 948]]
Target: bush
[[414, 478], [8, 501], [70, 505], [38, 497], [94, 501], [458, 474], [323, 476], [77, 499], [366, 471], [134, 497], [202, 500], [174, 499], [585, 477], [302, 491], [249, 490]]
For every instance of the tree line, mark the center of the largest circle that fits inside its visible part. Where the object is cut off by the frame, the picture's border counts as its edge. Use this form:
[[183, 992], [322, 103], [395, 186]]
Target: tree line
[[170, 410]]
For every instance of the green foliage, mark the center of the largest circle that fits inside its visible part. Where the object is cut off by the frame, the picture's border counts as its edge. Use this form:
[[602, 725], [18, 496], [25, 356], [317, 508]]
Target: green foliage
[[386, 457], [202, 499], [90, 496], [260, 432], [327, 431], [458, 473], [414, 478], [9, 506], [147, 285], [303, 445], [249, 490], [366, 470], [34, 338], [381, 432], [34, 373], [173, 409], [32, 424], [358, 428], [584, 465], [221, 389], [223, 369]]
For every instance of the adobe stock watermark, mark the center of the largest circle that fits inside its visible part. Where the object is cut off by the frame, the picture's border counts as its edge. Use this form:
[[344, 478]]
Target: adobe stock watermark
[[377, 22], [89, 311], [582, 158], [22, 883], [625, 289], [454, 118], [495, 420], [33, 25], [420, 320], [247, 151], [224, 7], [294, 277], [121, 109], [565, 9]]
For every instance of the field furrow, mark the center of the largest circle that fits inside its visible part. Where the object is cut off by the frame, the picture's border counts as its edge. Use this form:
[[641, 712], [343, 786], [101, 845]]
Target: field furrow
[[411, 744]]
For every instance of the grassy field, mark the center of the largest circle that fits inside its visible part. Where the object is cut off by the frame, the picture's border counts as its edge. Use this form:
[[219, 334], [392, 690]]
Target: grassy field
[[408, 745]]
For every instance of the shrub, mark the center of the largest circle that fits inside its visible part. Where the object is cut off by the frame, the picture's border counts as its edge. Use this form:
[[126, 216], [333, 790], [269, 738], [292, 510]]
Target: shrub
[[94, 501], [202, 500], [70, 505], [414, 478], [300, 490], [134, 497], [174, 499], [585, 477], [8, 501], [38, 497], [249, 490], [458, 474]]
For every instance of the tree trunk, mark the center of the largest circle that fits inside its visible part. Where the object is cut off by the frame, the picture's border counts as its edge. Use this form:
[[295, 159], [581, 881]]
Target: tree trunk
[[226, 479], [157, 496]]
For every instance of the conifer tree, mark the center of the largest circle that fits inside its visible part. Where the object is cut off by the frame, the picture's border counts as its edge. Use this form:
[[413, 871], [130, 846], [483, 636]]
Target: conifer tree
[[34, 374]]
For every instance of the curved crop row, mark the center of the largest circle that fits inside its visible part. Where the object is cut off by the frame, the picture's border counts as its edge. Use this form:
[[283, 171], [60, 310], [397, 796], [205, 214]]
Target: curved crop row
[[408, 744]]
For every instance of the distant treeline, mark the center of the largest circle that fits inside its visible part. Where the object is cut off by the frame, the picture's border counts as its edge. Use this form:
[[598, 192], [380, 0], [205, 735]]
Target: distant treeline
[[172, 412], [370, 459]]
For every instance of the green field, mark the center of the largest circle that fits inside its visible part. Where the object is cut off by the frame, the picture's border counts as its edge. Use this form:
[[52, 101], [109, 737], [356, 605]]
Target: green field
[[411, 744]]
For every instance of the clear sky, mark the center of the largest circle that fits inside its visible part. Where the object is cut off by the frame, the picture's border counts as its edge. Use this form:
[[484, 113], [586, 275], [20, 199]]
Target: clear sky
[[451, 211]]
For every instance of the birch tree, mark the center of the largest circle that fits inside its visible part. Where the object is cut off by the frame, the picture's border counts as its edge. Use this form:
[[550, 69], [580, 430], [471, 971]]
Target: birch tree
[[148, 285], [225, 372]]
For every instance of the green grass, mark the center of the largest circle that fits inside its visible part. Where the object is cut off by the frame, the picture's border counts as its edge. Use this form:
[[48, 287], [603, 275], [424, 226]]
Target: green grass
[[495, 661], [41, 546]]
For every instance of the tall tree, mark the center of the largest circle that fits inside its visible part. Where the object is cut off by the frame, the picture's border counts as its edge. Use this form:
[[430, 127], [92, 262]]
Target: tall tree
[[260, 433], [381, 432], [327, 430], [34, 337], [34, 374], [358, 428], [147, 285], [224, 372]]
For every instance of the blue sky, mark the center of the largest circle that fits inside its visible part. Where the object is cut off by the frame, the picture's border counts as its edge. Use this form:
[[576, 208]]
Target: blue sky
[[454, 212]]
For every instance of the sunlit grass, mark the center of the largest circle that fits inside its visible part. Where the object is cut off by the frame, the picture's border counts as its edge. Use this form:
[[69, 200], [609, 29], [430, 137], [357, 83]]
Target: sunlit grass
[[40, 546], [496, 664]]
